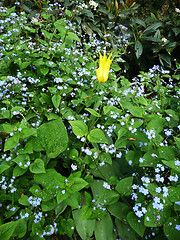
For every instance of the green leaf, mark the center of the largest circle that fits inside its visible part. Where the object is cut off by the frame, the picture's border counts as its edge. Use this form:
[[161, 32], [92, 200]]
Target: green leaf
[[17, 171], [49, 180], [122, 131], [136, 223], [124, 186], [3, 167], [37, 166], [152, 28], [52, 137], [177, 140], [24, 200], [47, 34], [48, 205], [170, 228], [84, 228], [121, 142], [135, 111], [56, 99], [79, 128], [97, 136], [77, 184], [11, 142], [172, 164], [21, 160], [86, 212], [72, 36], [44, 71], [104, 229], [68, 226], [21, 229], [74, 200], [166, 152], [106, 158], [119, 210], [7, 230], [150, 159], [28, 29], [174, 193], [93, 112], [156, 124], [62, 196], [109, 196], [27, 132], [155, 217], [125, 231], [138, 49]]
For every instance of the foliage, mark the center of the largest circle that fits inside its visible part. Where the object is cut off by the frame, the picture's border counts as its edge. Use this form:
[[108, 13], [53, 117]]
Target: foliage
[[80, 158]]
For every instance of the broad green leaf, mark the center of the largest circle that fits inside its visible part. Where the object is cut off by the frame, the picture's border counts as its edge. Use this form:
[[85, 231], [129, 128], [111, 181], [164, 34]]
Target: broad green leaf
[[22, 160], [172, 164], [155, 217], [23, 200], [104, 228], [7, 230], [93, 112], [74, 200], [122, 131], [44, 70], [79, 128], [121, 142], [136, 223], [166, 152], [124, 187], [156, 124], [106, 158], [84, 228], [17, 171], [135, 111], [56, 99], [125, 231], [68, 226], [27, 132], [77, 184], [170, 229], [52, 137], [50, 182], [97, 136], [109, 196], [177, 140], [174, 193], [4, 167], [37, 166], [86, 212], [48, 205], [11, 142], [21, 229], [150, 159], [61, 196], [73, 36], [119, 210]]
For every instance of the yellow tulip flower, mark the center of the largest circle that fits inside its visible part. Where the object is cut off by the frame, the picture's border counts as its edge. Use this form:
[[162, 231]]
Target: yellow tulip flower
[[104, 66]]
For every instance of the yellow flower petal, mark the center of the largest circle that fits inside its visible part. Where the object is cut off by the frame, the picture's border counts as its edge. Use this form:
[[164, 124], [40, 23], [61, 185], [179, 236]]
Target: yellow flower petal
[[104, 66]]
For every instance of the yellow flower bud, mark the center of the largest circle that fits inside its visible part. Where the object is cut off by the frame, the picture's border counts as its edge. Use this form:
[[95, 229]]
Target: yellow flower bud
[[104, 66]]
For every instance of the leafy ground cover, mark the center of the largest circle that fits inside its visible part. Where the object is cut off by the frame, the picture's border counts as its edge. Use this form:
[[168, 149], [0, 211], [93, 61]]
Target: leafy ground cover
[[83, 156]]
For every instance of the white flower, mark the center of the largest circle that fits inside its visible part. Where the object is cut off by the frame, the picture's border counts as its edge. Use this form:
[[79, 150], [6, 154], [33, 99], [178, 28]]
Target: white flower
[[33, 20], [177, 10], [93, 4], [74, 167], [164, 40]]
